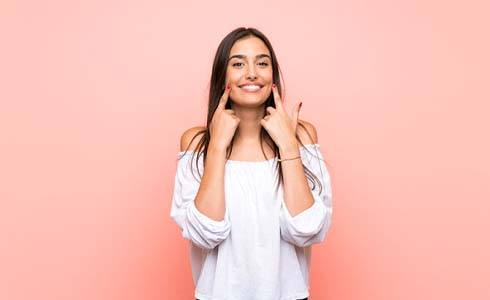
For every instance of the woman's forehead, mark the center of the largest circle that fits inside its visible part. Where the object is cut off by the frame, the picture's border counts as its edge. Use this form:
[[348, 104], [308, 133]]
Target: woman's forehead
[[249, 47]]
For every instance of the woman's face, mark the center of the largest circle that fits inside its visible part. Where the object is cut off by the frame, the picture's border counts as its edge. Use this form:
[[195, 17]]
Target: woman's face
[[249, 64]]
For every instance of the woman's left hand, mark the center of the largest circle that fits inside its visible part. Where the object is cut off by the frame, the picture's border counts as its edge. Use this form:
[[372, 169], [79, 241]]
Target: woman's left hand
[[279, 125]]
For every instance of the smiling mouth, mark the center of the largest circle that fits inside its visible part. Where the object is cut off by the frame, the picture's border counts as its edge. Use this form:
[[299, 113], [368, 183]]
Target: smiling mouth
[[251, 88]]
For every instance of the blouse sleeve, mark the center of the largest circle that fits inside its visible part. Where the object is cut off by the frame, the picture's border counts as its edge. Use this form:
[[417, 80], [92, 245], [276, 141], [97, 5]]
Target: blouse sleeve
[[311, 225], [194, 225]]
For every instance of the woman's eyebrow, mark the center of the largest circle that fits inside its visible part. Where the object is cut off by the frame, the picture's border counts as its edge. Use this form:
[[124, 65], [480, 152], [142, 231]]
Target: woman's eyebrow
[[243, 56]]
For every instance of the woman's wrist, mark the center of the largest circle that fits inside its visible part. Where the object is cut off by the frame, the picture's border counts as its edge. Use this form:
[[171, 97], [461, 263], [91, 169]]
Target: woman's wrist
[[289, 150], [216, 146]]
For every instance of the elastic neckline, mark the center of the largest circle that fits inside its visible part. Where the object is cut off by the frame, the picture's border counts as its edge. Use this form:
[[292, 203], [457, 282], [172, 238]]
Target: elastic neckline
[[251, 161], [254, 162]]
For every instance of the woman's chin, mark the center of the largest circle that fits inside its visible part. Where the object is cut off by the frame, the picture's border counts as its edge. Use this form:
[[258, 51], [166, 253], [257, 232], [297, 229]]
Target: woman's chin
[[247, 97], [249, 101]]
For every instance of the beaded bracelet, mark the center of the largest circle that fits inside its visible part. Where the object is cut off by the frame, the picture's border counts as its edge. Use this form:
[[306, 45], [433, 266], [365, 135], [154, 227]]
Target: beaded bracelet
[[288, 158]]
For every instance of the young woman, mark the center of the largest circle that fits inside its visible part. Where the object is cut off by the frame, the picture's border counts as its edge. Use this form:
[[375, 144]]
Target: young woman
[[252, 192]]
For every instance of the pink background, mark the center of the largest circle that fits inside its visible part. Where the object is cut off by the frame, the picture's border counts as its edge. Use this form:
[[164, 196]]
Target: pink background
[[95, 95]]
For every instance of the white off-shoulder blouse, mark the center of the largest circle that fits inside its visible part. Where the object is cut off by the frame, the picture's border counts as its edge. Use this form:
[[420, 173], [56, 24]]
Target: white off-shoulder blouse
[[259, 251]]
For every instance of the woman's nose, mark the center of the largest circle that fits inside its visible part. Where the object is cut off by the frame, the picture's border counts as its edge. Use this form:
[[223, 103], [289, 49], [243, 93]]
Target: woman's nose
[[251, 73]]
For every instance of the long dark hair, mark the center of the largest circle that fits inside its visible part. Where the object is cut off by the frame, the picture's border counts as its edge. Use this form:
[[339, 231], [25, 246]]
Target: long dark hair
[[217, 88]]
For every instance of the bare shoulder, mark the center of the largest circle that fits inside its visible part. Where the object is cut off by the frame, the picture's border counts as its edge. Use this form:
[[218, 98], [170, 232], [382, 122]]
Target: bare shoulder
[[187, 141], [308, 134]]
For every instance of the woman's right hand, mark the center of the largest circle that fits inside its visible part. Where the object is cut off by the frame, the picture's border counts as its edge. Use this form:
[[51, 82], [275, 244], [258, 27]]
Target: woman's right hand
[[223, 124]]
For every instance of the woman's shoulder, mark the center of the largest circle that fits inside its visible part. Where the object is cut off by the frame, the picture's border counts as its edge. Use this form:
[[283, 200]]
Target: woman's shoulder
[[191, 137], [187, 140], [306, 133]]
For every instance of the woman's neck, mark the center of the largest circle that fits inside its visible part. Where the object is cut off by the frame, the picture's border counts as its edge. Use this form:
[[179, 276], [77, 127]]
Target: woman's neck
[[248, 131]]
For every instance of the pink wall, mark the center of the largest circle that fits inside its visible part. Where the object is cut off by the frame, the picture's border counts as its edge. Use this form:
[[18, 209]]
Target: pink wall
[[95, 95]]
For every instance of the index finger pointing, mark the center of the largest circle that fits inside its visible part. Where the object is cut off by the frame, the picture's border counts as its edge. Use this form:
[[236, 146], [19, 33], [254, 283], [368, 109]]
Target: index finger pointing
[[277, 98], [224, 97]]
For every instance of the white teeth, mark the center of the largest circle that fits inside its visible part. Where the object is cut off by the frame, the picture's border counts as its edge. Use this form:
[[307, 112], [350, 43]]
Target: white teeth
[[251, 87]]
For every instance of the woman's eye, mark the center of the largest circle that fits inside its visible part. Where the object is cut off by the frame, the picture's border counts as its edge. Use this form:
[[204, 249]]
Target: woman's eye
[[262, 63]]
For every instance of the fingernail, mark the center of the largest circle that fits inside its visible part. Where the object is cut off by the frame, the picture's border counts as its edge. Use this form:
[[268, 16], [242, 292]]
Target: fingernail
[[228, 86]]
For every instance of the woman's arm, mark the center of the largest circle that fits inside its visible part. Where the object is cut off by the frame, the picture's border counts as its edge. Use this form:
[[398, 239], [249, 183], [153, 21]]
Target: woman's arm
[[297, 194], [303, 222], [210, 198], [200, 227]]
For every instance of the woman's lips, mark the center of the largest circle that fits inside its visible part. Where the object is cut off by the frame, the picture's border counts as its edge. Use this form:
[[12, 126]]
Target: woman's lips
[[251, 89]]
